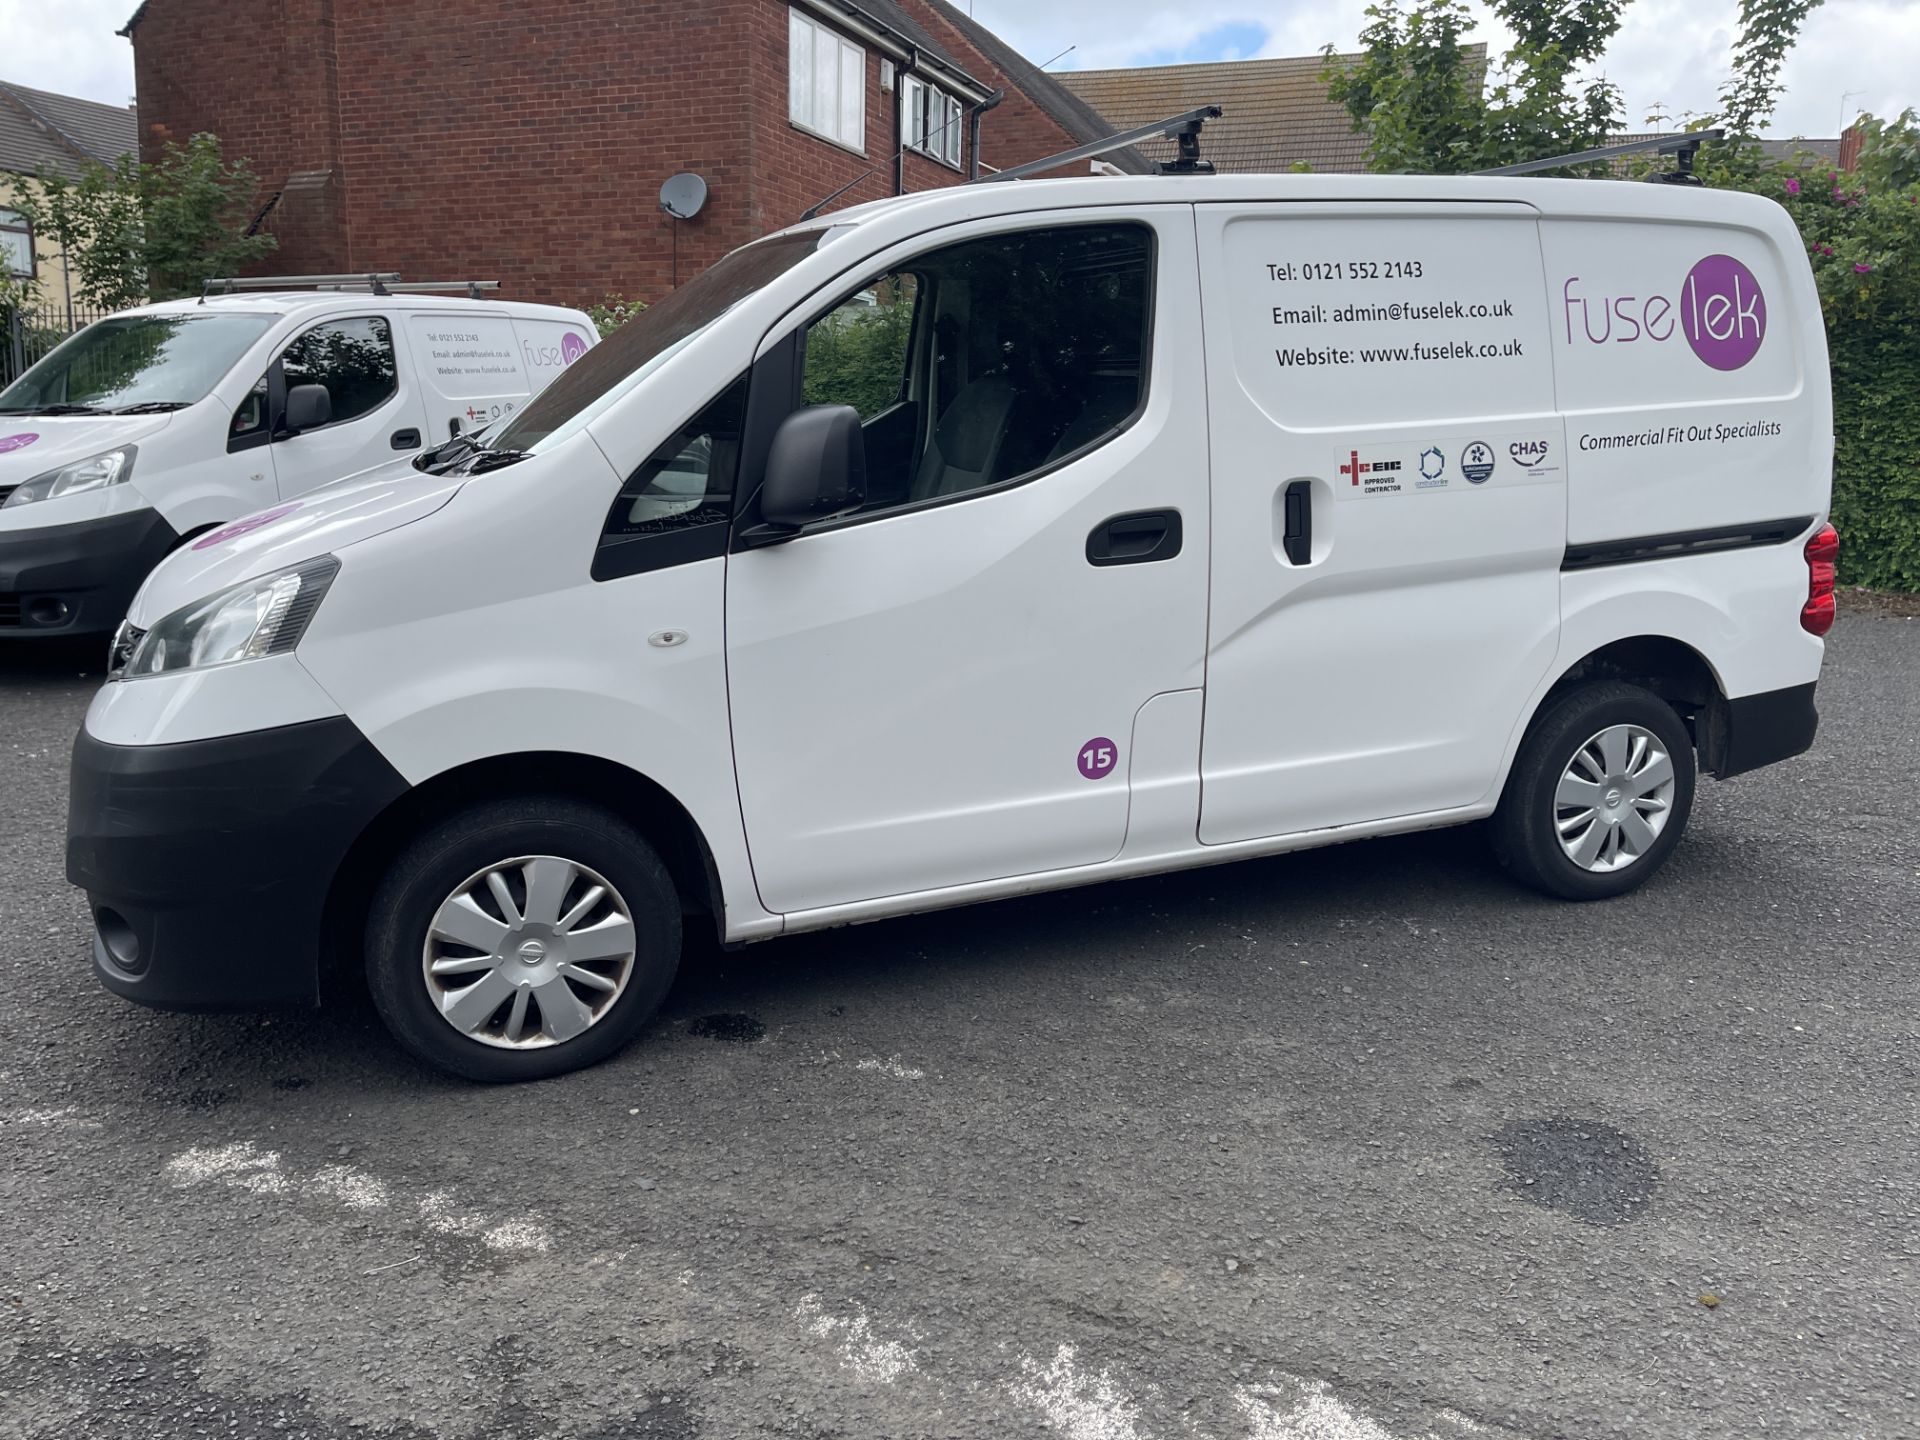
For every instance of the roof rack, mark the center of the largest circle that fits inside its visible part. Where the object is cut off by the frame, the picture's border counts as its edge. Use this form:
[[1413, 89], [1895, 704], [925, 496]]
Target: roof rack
[[1681, 147], [377, 282], [1184, 128]]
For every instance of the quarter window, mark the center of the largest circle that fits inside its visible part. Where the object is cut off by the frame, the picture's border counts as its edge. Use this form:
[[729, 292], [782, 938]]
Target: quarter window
[[677, 507], [990, 361], [826, 82], [353, 358], [16, 244]]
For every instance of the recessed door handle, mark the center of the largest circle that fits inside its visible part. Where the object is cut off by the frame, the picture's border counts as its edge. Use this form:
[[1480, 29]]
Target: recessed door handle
[[1137, 538], [1298, 539], [406, 439]]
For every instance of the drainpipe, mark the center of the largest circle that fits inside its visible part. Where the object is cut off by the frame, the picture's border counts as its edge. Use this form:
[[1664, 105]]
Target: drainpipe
[[900, 119], [973, 131]]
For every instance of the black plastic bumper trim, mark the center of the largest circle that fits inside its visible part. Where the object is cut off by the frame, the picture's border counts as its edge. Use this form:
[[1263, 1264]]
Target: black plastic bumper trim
[[1595, 553], [1766, 728], [212, 859], [91, 566]]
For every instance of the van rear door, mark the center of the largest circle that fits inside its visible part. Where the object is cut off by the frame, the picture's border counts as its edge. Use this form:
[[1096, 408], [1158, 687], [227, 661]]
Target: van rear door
[[1389, 508]]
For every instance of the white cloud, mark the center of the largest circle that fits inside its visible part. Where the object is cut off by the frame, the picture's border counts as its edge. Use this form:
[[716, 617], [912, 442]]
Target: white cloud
[[1670, 53]]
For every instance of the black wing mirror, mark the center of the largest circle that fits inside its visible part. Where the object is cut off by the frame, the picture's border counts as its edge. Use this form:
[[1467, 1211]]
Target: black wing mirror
[[308, 408], [816, 467]]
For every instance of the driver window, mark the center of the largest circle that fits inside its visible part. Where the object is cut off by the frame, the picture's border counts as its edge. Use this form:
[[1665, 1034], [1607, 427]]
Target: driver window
[[989, 361]]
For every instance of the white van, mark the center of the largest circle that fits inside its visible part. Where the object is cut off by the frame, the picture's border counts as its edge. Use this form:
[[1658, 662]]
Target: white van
[[987, 541], [154, 426]]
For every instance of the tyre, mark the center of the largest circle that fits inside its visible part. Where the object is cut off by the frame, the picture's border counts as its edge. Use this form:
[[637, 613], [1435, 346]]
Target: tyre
[[522, 938], [1599, 794]]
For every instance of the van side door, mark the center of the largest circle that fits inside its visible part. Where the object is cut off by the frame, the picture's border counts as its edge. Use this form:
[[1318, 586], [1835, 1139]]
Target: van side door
[[941, 687], [1389, 508], [373, 413]]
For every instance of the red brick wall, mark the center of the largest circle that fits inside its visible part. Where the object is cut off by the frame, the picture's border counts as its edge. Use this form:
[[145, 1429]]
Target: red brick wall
[[524, 140], [267, 90]]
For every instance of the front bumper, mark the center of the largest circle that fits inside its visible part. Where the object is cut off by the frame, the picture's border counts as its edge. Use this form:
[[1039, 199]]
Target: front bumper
[[77, 579], [207, 864]]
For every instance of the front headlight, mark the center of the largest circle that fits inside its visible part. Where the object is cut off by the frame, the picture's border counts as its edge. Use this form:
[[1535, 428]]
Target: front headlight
[[263, 616], [93, 473]]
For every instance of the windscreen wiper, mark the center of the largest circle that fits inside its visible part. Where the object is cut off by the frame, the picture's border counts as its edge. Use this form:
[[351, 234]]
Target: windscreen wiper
[[62, 409], [152, 407]]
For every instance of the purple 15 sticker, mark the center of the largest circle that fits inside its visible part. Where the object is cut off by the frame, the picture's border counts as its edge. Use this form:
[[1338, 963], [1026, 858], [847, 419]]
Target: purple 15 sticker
[[1097, 758]]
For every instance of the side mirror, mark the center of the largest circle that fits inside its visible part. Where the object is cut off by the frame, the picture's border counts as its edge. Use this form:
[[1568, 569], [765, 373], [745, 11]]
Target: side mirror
[[308, 408], [816, 467]]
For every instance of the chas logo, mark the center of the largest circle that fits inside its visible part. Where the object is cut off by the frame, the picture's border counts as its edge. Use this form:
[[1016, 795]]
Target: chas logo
[[1720, 309]]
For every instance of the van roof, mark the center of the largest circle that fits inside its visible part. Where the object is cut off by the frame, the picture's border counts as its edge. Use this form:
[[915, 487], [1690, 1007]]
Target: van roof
[[320, 302], [1551, 195]]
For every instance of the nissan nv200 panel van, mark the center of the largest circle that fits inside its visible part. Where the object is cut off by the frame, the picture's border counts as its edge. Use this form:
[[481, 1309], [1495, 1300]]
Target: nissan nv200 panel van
[[986, 541], [155, 425]]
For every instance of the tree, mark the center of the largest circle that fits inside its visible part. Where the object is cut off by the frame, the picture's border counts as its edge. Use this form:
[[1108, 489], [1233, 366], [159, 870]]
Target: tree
[[1418, 94], [1768, 29], [135, 231]]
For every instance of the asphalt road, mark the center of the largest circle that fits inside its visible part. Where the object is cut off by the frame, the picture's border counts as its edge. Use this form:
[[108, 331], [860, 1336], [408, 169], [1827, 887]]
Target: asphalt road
[[1356, 1145]]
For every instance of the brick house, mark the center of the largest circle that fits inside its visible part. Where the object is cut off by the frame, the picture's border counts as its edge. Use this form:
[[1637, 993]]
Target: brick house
[[526, 140]]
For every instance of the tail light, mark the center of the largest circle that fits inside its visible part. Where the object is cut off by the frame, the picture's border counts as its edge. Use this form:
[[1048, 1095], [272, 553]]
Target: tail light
[[1816, 616]]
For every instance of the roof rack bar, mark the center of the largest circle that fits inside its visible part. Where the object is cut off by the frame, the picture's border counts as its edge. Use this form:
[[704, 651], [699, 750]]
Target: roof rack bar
[[375, 280], [474, 288], [1185, 128], [1681, 146]]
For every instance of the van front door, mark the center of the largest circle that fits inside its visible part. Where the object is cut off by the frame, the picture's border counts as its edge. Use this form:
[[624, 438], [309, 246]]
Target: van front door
[[1389, 508], [941, 688], [375, 414]]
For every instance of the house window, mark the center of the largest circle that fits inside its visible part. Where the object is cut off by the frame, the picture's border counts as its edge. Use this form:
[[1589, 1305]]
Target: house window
[[826, 83], [929, 120], [16, 244]]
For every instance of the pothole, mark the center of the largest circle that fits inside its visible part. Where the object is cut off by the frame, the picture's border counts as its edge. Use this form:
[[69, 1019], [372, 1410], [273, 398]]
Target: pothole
[[731, 1027], [1591, 1171]]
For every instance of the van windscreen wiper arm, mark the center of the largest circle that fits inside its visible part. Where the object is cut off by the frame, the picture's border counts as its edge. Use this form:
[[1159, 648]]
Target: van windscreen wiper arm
[[61, 409]]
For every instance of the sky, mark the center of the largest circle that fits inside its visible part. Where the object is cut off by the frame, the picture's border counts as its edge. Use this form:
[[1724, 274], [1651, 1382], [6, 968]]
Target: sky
[[1670, 55]]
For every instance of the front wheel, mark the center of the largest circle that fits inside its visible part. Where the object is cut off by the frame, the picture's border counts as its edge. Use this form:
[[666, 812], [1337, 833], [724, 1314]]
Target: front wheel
[[1599, 795], [522, 938]]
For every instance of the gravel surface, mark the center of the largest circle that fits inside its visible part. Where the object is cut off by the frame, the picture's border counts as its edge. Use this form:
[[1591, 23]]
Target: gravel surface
[[1361, 1144]]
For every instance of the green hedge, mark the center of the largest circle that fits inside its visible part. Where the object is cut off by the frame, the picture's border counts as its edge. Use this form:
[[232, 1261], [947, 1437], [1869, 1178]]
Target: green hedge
[[1862, 232]]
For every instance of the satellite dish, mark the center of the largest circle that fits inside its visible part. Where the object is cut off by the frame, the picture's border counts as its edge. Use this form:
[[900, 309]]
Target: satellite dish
[[683, 196]]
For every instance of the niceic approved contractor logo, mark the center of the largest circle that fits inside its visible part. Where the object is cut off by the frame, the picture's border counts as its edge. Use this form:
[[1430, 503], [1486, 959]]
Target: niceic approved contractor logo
[[1719, 309]]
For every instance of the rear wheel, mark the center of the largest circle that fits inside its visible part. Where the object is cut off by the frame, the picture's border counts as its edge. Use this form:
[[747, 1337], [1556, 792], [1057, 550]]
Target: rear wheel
[[1599, 795], [522, 939]]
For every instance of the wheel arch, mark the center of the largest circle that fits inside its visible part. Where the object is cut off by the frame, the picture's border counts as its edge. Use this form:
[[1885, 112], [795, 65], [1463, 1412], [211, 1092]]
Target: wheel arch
[[666, 823], [1669, 667]]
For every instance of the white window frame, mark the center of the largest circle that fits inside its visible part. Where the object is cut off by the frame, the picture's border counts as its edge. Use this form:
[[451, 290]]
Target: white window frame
[[931, 121], [809, 44], [12, 222]]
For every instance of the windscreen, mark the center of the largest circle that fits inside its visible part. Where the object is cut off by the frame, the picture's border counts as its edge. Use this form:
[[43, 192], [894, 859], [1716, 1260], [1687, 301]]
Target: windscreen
[[611, 367], [135, 362]]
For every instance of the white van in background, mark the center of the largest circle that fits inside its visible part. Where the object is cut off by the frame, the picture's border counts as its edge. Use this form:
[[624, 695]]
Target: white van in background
[[984, 541], [158, 424]]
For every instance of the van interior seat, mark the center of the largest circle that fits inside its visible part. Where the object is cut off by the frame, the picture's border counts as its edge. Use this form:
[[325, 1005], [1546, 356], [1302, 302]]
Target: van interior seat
[[966, 441]]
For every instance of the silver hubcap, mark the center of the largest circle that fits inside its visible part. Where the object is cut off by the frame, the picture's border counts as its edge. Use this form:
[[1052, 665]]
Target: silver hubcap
[[529, 953], [1614, 798]]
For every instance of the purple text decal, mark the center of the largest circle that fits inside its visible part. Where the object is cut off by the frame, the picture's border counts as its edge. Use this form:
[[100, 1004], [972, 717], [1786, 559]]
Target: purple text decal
[[245, 527], [1723, 312], [9, 443], [572, 347]]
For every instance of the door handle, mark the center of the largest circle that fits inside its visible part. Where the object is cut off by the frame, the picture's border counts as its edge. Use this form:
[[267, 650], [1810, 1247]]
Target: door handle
[[1298, 539], [406, 440], [1136, 538]]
